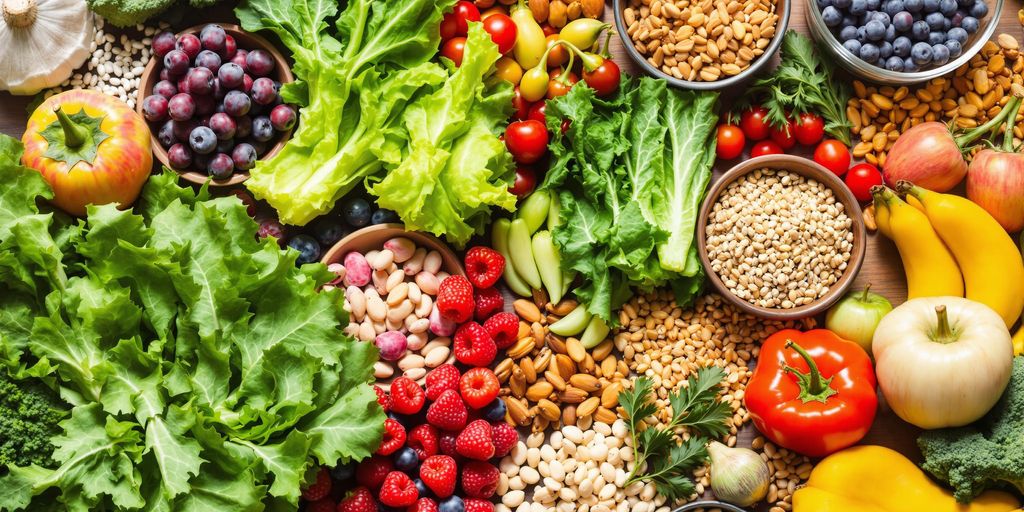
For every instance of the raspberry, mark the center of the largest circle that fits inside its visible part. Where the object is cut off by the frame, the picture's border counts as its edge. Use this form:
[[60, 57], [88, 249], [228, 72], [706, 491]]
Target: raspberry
[[503, 328], [394, 437], [478, 387], [383, 398], [406, 396], [438, 474], [446, 443], [423, 439], [484, 266], [505, 438], [359, 500], [479, 479], [473, 346], [448, 412], [423, 505], [319, 489], [442, 379], [398, 490], [476, 441], [478, 505], [488, 302], [324, 505], [371, 472], [455, 299]]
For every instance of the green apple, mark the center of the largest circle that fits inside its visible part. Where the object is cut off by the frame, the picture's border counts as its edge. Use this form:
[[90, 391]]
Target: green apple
[[856, 316]]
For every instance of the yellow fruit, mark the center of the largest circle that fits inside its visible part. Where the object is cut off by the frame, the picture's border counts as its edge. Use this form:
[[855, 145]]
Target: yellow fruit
[[991, 264]]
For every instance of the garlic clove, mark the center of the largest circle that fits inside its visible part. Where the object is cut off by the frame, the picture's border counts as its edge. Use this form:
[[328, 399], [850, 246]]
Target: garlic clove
[[738, 475]]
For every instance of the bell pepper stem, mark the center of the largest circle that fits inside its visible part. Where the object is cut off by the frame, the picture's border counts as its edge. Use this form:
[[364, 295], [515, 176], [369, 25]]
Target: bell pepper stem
[[944, 333], [74, 135], [812, 386]]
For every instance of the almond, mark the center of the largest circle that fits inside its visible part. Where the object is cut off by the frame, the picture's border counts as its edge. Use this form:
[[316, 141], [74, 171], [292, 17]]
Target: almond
[[608, 366], [504, 370], [539, 390], [572, 395], [603, 350], [575, 349], [521, 348], [543, 359], [564, 307], [569, 415], [527, 310], [555, 380], [588, 406], [540, 424], [605, 415], [610, 395], [587, 383], [517, 383], [539, 8], [556, 343], [566, 368], [548, 409], [518, 412], [526, 365]]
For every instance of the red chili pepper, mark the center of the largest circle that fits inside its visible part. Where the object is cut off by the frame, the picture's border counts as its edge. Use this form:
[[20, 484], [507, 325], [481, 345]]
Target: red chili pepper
[[812, 392]]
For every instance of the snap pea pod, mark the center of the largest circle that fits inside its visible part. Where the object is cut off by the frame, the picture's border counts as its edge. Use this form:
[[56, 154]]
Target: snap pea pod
[[573, 323], [499, 239], [534, 210], [549, 264], [595, 333], [520, 247]]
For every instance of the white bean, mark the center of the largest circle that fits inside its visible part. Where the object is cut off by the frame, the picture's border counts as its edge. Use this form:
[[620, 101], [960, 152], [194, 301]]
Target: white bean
[[432, 262], [415, 264]]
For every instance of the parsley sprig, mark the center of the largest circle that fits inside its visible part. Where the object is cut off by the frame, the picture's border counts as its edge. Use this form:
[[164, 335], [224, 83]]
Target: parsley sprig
[[695, 408]]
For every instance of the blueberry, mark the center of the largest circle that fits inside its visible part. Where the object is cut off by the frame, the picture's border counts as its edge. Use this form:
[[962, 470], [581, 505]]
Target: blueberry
[[384, 216], [862, 34], [875, 30], [955, 48], [850, 21], [901, 46], [884, 18], [893, 6], [166, 134], [329, 230], [858, 7], [913, 5], [903, 20], [853, 46], [421, 488], [262, 129], [309, 251], [873, 5], [979, 10], [909, 65], [343, 472], [931, 5], [847, 33], [947, 7], [940, 54], [831, 16], [452, 504], [841, 4], [357, 212], [202, 140], [921, 53], [970, 24], [920, 30], [890, 33], [957, 34], [935, 21], [824, 3], [894, 63], [406, 459], [869, 53], [495, 411], [957, 18], [884, 50]]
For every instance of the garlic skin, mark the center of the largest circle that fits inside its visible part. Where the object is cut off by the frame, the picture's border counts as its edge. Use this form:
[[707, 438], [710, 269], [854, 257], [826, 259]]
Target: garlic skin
[[43, 42], [738, 475]]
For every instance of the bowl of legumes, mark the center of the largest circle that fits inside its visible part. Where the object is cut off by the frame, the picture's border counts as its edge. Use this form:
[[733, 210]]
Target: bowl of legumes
[[781, 237], [902, 41], [707, 44], [391, 277]]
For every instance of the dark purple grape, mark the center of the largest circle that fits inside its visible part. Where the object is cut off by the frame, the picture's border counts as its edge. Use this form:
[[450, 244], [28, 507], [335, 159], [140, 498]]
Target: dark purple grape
[[201, 161], [202, 140], [239, 59], [205, 105], [181, 107], [154, 108], [166, 134], [247, 83], [230, 75], [223, 126], [260, 146], [247, 201], [263, 91], [237, 103], [328, 229], [271, 228], [204, 121], [309, 252], [218, 91], [225, 146], [213, 37], [182, 84], [209, 60], [176, 62], [243, 126], [259, 62], [221, 167], [163, 43], [200, 81], [244, 156], [262, 129], [230, 47], [165, 88], [164, 75], [182, 129], [283, 118], [179, 157], [189, 44]]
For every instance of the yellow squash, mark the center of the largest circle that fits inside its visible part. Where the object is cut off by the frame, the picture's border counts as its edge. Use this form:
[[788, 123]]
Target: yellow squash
[[989, 260], [930, 267], [877, 479]]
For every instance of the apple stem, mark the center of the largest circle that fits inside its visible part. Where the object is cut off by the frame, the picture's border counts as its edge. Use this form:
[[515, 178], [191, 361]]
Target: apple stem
[[864, 296]]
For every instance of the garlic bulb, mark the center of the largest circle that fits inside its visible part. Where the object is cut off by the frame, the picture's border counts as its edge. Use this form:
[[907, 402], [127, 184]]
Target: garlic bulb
[[738, 475], [43, 42]]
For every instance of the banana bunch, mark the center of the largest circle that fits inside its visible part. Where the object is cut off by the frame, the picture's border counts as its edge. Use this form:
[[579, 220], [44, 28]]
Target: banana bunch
[[532, 262], [951, 246]]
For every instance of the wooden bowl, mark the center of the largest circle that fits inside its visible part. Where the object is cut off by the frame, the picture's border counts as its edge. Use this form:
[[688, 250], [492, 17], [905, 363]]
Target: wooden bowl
[[151, 75], [808, 169], [372, 238]]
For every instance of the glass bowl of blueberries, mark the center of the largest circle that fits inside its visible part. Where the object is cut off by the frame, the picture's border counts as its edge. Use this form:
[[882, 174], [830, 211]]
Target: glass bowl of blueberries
[[902, 41]]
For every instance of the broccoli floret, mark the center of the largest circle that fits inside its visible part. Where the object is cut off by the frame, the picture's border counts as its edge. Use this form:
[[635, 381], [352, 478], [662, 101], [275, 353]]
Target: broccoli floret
[[128, 13], [29, 417], [988, 454]]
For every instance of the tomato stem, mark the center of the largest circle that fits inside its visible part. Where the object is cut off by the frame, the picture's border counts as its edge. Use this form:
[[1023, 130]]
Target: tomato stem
[[812, 386], [74, 135]]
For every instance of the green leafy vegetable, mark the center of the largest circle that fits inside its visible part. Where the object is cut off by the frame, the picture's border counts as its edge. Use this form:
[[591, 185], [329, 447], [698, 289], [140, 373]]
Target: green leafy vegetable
[[803, 82], [205, 370], [695, 408], [630, 174], [988, 454], [128, 13], [375, 107], [29, 414]]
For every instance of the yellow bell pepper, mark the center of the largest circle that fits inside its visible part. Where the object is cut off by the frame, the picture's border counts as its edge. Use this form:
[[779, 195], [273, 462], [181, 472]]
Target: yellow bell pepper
[[877, 479]]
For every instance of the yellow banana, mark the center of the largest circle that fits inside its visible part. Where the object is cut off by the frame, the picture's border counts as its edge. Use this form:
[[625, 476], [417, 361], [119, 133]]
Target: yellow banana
[[991, 264], [1018, 341], [930, 267], [882, 213]]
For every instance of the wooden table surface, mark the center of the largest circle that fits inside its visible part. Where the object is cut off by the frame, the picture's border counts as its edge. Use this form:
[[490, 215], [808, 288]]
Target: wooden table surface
[[881, 268]]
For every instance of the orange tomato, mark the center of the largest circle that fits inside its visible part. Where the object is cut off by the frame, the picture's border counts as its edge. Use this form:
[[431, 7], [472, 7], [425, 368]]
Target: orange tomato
[[558, 56]]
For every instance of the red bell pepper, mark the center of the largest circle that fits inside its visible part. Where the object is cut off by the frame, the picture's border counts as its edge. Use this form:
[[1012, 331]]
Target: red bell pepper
[[812, 392]]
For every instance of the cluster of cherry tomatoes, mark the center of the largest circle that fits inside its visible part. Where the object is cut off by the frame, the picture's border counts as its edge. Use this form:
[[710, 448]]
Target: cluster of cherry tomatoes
[[809, 130]]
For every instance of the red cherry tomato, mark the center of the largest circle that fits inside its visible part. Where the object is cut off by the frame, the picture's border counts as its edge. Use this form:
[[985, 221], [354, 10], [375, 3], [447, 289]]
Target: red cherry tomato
[[526, 140], [549, 30], [558, 56], [465, 12], [537, 112], [810, 129], [753, 124], [785, 137], [861, 178], [730, 141], [522, 107], [604, 80], [765, 147], [449, 27], [453, 49], [833, 155], [557, 87], [526, 181], [502, 31]]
